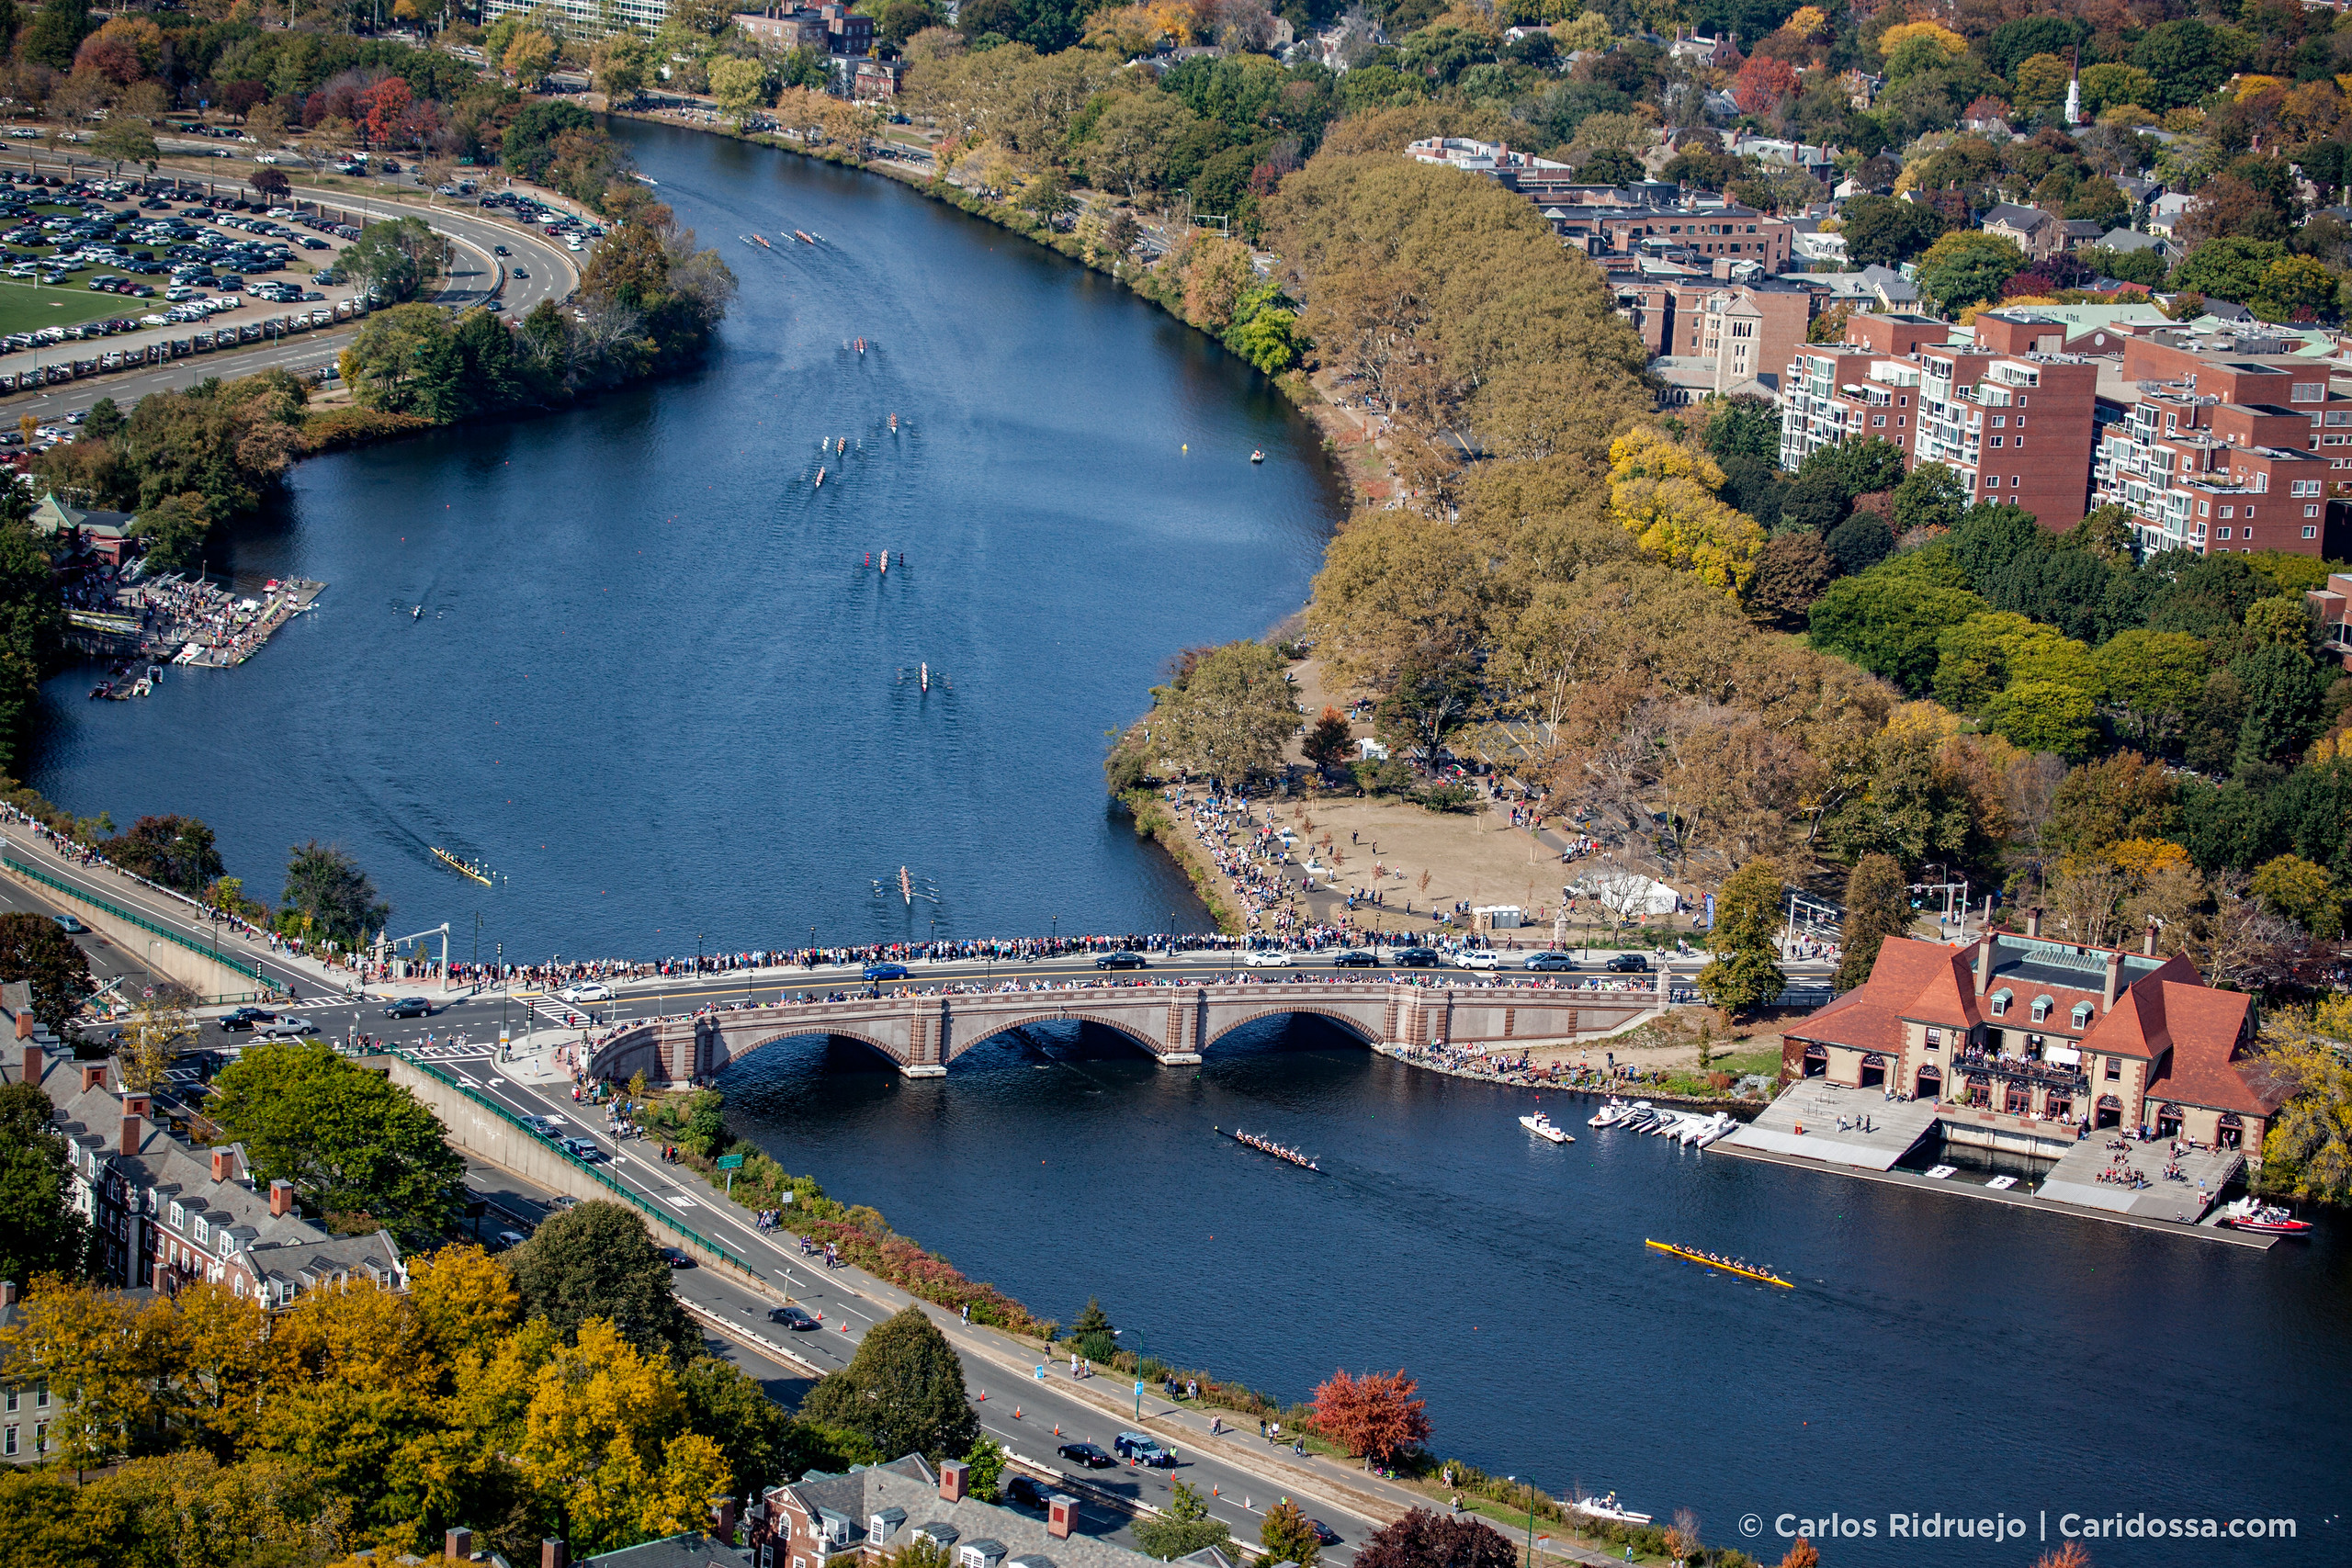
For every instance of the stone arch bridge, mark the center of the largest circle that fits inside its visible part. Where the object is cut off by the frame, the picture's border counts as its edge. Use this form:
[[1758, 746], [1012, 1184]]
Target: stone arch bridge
[[921, 1032]]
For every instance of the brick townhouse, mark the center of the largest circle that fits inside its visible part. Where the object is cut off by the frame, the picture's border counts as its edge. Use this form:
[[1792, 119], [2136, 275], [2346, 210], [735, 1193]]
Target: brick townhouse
[[1750, 330]]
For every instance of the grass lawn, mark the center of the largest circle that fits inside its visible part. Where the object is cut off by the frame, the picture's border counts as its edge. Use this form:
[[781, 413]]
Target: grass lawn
[[26, 307]]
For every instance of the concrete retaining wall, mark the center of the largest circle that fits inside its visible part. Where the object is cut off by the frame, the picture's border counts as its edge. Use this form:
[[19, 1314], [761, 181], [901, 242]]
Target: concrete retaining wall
[[489, 1136], [166, 958]]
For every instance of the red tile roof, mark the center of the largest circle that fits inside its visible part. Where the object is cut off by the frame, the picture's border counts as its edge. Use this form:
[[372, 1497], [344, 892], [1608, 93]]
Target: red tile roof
[[2206, 1066]]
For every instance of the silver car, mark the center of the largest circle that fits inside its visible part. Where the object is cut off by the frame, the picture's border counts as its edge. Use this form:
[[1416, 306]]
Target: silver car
[[285, 1029]]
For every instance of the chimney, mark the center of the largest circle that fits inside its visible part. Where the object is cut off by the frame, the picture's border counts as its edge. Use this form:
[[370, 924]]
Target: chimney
[[458, 1546], [33, 1061], [1985, 946], [25, 1024], [2114, 980], [7, 1292], [954, 1480], [2148, 940], [554, 1554], [281, 1199], [134, 1110], [94, 1075], [1061, 1513], [722, 1521], [225, 1165], [2033, 921]]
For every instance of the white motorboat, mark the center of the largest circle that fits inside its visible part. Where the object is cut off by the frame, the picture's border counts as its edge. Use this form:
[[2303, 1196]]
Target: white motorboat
[[1668, 1121], [1540, 1125], [1609, 1508], [1693, 1126], [1724, 1126], [1608, 1115]]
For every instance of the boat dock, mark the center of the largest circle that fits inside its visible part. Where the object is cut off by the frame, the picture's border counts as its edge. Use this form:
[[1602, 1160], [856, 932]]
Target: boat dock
[[207, 628]]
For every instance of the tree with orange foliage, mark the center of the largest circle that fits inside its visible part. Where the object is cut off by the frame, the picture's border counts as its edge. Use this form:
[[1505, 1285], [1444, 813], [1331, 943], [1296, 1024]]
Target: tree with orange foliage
[[1371, 1417], [1802, 1555]]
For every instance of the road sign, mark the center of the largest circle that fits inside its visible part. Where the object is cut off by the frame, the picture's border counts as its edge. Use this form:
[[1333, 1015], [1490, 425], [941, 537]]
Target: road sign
[[730, 1162]]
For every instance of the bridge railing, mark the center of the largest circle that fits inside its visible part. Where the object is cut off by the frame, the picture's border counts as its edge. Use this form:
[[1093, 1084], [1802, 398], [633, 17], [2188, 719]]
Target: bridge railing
[[626, 1194], [117, 912]]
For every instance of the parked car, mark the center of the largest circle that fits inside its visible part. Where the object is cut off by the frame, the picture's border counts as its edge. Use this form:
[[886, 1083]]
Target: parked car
[[1414, 958], [586, 991], [1549, 961], [1264, 958], [1086, 1454], [887, 972], [792, 1317], [1630, 963], [1353, 958], [1142, 1451], [1478, 958], [1123, 961], [286, 1029], [1028, 1491], [409, 1007], [1324, 1532], [71, 926], [675, 1258]]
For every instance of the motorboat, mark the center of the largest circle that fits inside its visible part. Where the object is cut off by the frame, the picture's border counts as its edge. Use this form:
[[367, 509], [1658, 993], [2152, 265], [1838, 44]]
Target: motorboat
[[1540, 1125], [1608, 1115], [1668, 1121], [1256, 457], [1609, 1508], [1722, 1126], [2254, 1214]]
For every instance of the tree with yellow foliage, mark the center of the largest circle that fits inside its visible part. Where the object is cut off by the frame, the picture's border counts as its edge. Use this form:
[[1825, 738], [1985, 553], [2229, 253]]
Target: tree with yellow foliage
[[604, 1445], [1664, 494], [2307, 1151], [1913, 47]]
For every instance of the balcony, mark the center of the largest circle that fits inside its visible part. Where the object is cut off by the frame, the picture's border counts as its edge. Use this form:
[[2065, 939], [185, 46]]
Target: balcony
[[2066, 1080]]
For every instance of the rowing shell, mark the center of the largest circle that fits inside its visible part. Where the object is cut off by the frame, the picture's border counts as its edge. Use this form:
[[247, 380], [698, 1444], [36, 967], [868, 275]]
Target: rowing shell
[[1689, 1257]]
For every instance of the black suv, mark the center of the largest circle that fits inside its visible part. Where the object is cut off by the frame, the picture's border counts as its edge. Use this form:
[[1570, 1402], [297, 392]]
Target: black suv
[[1123, 961], [1354, 958], [1548, 960], [245, 1018], [1027, 1490], [1630, 963], [409, 1007], [1414, 958]]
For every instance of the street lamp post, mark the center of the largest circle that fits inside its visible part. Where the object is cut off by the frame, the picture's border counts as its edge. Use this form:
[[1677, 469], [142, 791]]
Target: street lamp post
[[498, 953], [1530, 1520]]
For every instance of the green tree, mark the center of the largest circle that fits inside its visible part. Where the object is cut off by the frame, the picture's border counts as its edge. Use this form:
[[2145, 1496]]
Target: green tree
[[35, 949], [1427, 705], [1226, 717], [1744, 426], [1287, 1537], [1887, 621], [1886, 230], [1860, 542], [1091, 1333], [595, 1259], [2294, 289], [122, 140], [618, 64], [352, 1142], [2154, 682], [2227, 267], [57, 30], [726, 1405], [986, 1463], [2046, 715], [1182, 1529], [903, 1390], [2146, 267], [1878, 906], [1745, 972], [177, 851], [2303, 892], [2186, 61], [394, 256], [1967, 267], [326, 884], [40, 1231], [739, 85], [1930, 497], [176, 530]]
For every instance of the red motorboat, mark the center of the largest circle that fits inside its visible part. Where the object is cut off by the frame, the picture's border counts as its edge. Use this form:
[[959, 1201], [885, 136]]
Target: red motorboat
[[2251, 1214]]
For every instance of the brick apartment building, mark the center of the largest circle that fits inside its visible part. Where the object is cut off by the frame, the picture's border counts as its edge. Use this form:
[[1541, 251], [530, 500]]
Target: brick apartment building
[[1751, 331], [831, 27], [2228, 449], [1867, 386]]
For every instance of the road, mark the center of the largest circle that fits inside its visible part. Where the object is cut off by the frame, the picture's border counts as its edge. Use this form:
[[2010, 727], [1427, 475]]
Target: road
[[474, 279]]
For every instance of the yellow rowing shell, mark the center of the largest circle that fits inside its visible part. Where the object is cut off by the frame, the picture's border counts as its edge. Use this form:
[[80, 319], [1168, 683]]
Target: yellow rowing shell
[[1700, 1257], [454, 864]]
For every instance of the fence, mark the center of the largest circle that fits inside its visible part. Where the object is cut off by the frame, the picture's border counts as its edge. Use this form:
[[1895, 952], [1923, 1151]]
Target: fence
[[625, 1194], [120, 913]]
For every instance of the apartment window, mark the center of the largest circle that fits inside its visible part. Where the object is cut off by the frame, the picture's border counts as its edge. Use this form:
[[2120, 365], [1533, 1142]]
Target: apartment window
[[2020, 404], [2020, 417], [2015, 480], [1904, 401], [1898, 421], [2249, 511], [2225, 534], [9, 1446], [1878, 421], [1998, 422], [40, 1438], [1991, 480], [2312, 532], [1996, 440], [2204, 509]]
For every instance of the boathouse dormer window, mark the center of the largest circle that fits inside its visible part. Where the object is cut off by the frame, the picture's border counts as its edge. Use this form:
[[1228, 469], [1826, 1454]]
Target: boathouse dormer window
[[2041, 1006], [1934, 1037], [2082, 1014], [2001, 1000]]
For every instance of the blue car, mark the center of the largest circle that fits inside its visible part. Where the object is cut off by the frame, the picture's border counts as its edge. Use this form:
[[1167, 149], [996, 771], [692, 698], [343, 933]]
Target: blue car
[[886, 971], [1549, 960]]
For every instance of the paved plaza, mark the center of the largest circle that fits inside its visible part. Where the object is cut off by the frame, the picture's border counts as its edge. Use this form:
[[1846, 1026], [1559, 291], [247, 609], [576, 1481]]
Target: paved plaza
[[1804, 1122]]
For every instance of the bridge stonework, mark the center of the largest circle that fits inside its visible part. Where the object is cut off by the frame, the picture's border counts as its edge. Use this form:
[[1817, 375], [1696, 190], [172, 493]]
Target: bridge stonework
[[921, 1034]]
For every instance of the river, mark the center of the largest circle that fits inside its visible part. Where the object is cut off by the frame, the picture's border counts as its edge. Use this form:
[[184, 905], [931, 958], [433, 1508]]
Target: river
[[653, 683]]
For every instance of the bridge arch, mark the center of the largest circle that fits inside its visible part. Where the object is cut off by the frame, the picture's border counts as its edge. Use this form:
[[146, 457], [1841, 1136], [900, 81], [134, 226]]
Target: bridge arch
[[736, 1052], [1354, 1026], [985, 1029]]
